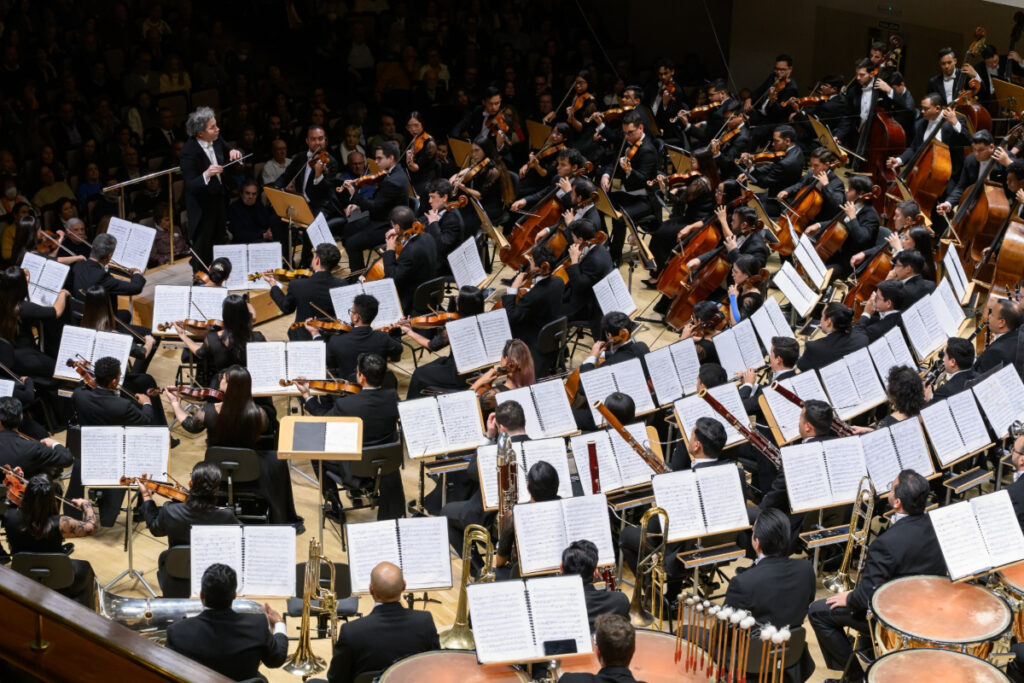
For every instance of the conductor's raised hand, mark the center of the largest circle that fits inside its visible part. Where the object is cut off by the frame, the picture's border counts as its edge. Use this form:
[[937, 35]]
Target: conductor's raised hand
[[234, 155]]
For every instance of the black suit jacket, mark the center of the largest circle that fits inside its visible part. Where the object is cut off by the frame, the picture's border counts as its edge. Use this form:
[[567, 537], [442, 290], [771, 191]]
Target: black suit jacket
[[32, 457], [303, 292], [729, 152], [581, 304], [391, 192], [935, 85], [388, 633], [448, 233], [90, 273], [175, 520], [776, 590], [607, 674], [954, 385], [775, 113], [416, 264], [1016, 491], [779, 175], [750, 395], [834, 193], [201, 196], [907, 547], [1002, 350], [318, 193], [537, 308], [377, 407], [343, 349], [875, 326], [644, 166], [916, 288], [228, 642], [969, 175], [604, 602], [830, 348], [104, 407]]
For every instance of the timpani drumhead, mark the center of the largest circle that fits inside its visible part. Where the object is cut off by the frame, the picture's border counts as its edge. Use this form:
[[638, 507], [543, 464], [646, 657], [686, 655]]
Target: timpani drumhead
[[932, 608], [451, 666], [935, 666], [653, 661], [1013, 577]]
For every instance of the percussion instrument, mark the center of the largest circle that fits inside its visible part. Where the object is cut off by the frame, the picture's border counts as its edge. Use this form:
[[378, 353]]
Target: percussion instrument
[[930, 611], [935, 666], [653, 661], [449, 666], [1011, 586]]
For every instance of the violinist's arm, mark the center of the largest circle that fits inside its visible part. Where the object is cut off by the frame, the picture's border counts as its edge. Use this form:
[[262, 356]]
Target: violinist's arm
[[180, 414], [154, 520], [475, 194], [192, 344], [73, 528], [415, 336]]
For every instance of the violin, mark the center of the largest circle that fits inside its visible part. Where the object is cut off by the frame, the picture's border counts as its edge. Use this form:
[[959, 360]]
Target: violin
[[777, 87], [729, 135], [15, 485], [327, 386], [46, 241], [757, 278], [697, 113], [572, 382], [202, 278], [283, 274], [506, 368], [608, 115], [190, 393], [675, 179], [322, 156], [765, 157], [459, 203], [166, 490], [424, 321], [798, 102], [193, 327], [713, 324], [322, 325], [416, 146], [581, 101], [84, 370], [497, 122], [469, 174]]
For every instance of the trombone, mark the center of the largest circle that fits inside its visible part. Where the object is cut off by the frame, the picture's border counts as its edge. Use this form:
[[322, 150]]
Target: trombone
[[460, 635], [860, 529], [650, 563]]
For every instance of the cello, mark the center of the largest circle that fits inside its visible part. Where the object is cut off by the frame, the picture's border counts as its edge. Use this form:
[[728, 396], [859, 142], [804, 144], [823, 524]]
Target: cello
[[698, 288], [806, 204], [832, 237], [1003, 262]]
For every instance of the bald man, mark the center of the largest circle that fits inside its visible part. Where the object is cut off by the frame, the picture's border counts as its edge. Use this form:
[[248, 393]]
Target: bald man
[[387, 634]]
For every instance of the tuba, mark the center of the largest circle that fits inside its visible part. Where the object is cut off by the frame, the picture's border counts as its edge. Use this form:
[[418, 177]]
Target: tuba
[[150, 617], [460, 636], [860, 528], [650, 563], [304, 662]]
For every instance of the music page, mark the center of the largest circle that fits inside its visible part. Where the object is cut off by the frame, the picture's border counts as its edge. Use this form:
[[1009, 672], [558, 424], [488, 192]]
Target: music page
[[319, 232], [559, 611], [341, 300], [426, 562], [75, 344], [262, 256], [553, 452], [171, 303], [146, 451], [269, 560], [206, 303], [612, 294], [677, 494], [459, 412], [466, 266], [421, 426], [607, 467], [1004, 541], [238, 254], [553, 408], [341, 437], [912, 447], [102, 456], [844, 461], [369, 544], [960, 539], [467, 344], [540, 535], [1000, 396], [267, 366], [721, 497], [795, 289], [134, 243], [389, 307], [217, 544], [804, 468], [494, 331], [881, 459], [501, 621], [586, 517], [114, 345], [307, 359]]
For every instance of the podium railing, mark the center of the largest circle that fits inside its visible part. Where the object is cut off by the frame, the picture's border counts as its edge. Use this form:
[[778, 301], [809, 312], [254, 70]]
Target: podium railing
[[120, 189]]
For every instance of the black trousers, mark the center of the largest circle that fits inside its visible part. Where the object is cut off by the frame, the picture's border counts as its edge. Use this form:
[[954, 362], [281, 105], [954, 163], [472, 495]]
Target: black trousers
[[360, 235], [211, 229], [829, 627], [636, 206]]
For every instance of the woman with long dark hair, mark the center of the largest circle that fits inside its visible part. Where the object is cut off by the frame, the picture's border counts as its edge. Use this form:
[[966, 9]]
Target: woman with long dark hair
[[18, 315], [225, 347], [38, 527], [239, 422], [176, 519], [420, 157], [745, 295]]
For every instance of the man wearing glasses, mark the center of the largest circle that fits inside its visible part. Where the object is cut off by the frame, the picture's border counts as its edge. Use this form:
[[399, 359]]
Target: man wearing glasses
[[765, 108]]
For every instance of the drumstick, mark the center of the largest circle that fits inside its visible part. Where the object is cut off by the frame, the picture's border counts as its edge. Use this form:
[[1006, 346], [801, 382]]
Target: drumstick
[[776, 640], [785, 634], [680, 627], [691, 629], [693, 634], [723, 634], [747, 625], [737, 617], [766, 636], [713, 633]]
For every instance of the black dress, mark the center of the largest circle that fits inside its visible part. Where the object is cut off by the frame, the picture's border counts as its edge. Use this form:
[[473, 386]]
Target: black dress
[[27, 356], [440, 373], [275, 480], [83, 587], [215, 357]]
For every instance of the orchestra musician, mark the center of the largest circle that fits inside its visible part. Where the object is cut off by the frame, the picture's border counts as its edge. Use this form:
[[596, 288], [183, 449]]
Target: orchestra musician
[[568, 162], [541, 303], [175, 520], [636, 167], [905, 392], [841, 338], [420, 157], [701, 329], [588, 264], [517, 364], [882, 312], [906, 548], [821, 175], [18, 316], [948, 83], [441, 373], [542, 485], [580, 207], [908, 266], [388, 633], [957, 362], [98, 314], [218, 274], [664, 96], [992, 66], [731, 145], [231, 643], [224, 347], [701, 132], [33, 457], [904, 217], [95, 272], [417, 261], [1003, 318], [377, 407], [445, 225], [614, 645], [983, 155], [764, 105], [940, 123], [783, 171], [489, 122], [305, 292], [344, 349], [580, 558], [870, 88], [534, 174]]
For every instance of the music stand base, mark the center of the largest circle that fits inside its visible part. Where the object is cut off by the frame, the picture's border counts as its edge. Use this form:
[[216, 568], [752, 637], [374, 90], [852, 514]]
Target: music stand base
[[135, 574]]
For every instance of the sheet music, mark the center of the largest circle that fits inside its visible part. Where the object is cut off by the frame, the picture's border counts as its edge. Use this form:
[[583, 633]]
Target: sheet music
[[134, 243], [1000, 397], [553, 452], [807, 256], [954, 271], [216, 544], [341, 300], [269, 560], [597, 384], [947, 304], [612, 294], [465, 263], [426, 563], [795, 289], [942, 432], [238, 254], [523, 396], [6, 387], [267, 365], [912, 447], [889, 351], [1003, 538], [785, 412], [540, 535], [869, 389], [923, 328], [45, 279], [664, 375], [306, 359], [421, 426], [319, 232], [263, 256], [553, 405], [146, 451], [467, 344], [693, 407], [632, 380], [75, 343], [487, 469], [632, 469], [114, 345], [960, 539], [838, 382], [881, 458], [804, 468], [459, 412], [389, 307], [677, 494], [844, 461], [769, 322], [102, 455], [171, 303], [206, 303], [559, 611], [586, 517], [739, 349], [494, 331], [607, 467], [501, 621], [369, 544], [969, 421], [684, 354], [341, 437], [721, 496]]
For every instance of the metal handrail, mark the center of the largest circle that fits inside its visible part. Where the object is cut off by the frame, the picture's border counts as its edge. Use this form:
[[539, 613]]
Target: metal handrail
[[142, 179], [169, 172]]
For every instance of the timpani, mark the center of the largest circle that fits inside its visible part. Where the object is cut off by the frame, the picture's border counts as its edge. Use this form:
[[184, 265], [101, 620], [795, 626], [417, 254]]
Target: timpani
[[934, 666], [1011, 585], [932, 612], [653, 661], [449, 666]]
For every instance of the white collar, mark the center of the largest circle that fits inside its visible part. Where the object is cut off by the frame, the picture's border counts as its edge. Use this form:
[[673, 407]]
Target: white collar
[[897, 516]]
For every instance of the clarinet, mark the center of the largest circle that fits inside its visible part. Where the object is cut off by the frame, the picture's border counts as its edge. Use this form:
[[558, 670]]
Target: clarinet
[[756, 439], [595, 486], [839, 426]]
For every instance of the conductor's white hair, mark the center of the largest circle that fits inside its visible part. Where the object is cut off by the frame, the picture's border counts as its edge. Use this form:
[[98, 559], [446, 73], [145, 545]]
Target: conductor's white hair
[[198, 120]]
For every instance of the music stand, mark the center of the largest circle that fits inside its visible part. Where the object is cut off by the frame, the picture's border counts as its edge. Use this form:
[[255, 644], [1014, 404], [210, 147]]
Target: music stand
[[538, 133], [291, 208], [286, 448], [131, 571], [460, 151]]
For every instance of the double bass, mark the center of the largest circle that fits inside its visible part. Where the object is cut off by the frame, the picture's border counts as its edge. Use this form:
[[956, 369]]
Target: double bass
[[1003, 262], [881, 136]]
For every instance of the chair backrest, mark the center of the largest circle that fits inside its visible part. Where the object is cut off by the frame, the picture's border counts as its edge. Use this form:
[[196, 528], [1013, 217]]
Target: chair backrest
[[428, 295], [53, 570], [242, 464], [178, 562], [367, 676], [76, 309], [794, 650], [552, 336], [342, 583], [386, 457]]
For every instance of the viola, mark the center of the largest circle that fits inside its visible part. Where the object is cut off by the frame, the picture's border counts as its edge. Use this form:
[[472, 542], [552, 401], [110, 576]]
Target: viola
[[798, 102], [506, 368], [46, 241], [166, 490], [778, 86], [766, 157], [327, 386], [469, 174], [431, 320], [675, 179], [610, 114], [322, 325], [193, 327], [633, 149], [497, 122], [282, 274], [197, 394], [698, 113], [581, 101], [15, 487], [369, 179], [421, 140], [558, 245], [84, 370]]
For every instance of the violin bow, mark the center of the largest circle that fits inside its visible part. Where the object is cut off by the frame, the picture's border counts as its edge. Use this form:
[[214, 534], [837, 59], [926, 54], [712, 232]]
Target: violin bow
[[323, 312], [564, 98], [199, 260], [130, 331]]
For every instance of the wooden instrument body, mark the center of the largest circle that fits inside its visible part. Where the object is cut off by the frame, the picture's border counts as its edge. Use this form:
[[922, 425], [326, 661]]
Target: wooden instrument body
[[709, 278], [885, 139], [546, 215], [805, 207], [928, 177], [831, 239], [675, 272], [981, 225], [1009, 262], [977, 115], [874, 272]]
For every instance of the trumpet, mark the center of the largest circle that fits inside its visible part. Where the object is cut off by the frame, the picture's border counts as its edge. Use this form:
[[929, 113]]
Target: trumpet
[[651, 564], [460, 635], [860, 528], [304, 662]]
